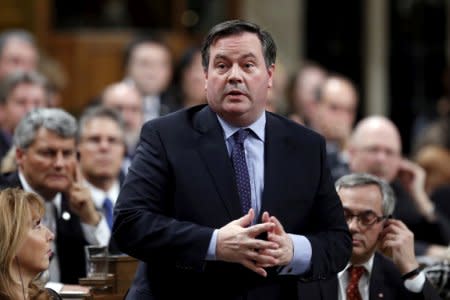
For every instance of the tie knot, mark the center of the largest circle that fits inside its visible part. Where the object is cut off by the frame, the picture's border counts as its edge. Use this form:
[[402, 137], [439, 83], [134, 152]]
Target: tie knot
[[356, 272], [240, 135]]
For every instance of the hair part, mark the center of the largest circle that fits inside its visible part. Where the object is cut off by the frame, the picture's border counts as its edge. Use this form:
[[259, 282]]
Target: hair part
[[364, 179], [236, 27], [55, 120]]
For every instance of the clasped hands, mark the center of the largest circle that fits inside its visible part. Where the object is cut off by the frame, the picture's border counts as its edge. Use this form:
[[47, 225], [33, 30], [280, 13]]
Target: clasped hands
[[237, 242]]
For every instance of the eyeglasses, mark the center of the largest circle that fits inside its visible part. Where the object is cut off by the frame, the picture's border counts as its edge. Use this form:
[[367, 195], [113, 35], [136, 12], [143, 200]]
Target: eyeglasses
[[367, 218]]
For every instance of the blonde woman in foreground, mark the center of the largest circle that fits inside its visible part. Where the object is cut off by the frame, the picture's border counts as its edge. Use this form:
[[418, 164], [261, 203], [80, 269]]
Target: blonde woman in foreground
[[25, 249]]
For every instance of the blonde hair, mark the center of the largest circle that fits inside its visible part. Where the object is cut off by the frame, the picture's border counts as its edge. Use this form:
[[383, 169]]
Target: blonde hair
[[17, 209]]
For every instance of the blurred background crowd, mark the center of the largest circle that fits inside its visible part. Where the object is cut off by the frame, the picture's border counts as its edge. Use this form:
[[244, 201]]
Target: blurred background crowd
[[371, 76]]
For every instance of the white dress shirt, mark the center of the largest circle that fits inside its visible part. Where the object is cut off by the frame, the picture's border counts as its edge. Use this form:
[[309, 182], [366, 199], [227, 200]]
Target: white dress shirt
[[414, 285]]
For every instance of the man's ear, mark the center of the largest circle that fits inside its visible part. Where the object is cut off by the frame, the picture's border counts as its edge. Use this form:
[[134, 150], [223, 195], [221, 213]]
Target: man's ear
[[20, 153], [271, 72]]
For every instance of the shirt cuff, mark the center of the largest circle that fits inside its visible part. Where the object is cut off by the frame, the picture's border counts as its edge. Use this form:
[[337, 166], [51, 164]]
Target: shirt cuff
[[415, 284], [301, 260], [211, 254], [97, 235]]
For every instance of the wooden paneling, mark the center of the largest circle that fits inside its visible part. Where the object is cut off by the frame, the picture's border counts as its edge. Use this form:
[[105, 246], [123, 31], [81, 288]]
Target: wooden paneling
[[92, 60]]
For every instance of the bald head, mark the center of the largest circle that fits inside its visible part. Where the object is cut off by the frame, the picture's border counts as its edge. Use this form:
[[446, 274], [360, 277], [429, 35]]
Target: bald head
[[126, 99], [336, 109], [375, 148]]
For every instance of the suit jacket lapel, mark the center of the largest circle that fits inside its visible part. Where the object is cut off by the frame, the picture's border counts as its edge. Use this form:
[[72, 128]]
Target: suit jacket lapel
[[376, 287], [214, 153], [277, 154]]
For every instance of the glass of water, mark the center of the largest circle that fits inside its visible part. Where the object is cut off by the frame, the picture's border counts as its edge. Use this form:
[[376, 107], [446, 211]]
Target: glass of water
[[96, 261]]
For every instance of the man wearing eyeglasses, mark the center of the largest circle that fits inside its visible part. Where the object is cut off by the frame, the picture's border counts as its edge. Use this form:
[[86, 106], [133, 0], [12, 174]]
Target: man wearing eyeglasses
[[368, 203]]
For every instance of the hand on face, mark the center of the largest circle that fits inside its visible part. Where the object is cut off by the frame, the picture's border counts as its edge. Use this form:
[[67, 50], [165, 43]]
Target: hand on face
[[285, 251], [237, 242], [80, 200], [412, 177], [397, 242]]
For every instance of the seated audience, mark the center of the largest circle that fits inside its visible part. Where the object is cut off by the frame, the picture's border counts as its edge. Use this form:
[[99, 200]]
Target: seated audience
[[18, 51], [20, 92], [189, 79], [148, 63], [304, 92], [375, 148], [368, 203], [126, 99], [101, 148], [45, 142], [25, 246], [335, 115]]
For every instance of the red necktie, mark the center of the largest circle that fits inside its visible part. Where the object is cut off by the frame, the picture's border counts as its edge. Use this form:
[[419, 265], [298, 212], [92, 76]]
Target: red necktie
[[352, 287]]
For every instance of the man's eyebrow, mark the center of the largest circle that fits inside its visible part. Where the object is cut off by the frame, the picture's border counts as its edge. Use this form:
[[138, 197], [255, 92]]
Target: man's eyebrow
[[244, 56]]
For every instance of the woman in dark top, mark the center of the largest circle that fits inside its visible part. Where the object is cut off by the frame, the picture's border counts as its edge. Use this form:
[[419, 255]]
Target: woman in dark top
[[25, 246]]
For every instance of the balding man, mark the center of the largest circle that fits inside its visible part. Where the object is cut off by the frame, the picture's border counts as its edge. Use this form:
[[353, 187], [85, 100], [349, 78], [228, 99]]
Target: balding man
[[334, 119], [18, 51], [375, 148], [126, 99]]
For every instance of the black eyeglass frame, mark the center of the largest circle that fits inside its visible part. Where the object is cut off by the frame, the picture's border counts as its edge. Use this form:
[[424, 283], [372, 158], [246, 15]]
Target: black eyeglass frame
[[377, 219]]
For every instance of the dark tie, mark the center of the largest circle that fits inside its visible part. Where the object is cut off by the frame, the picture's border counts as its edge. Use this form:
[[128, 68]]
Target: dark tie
[[108, 211], [241, 170], [352, 287]]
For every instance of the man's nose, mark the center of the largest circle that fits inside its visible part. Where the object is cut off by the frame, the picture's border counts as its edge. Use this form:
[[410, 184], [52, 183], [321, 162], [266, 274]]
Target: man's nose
[[353, 225], [235, 74], [59, 159]]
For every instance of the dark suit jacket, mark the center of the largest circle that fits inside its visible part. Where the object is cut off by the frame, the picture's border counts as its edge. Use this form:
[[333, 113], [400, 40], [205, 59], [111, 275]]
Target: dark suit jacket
[[180, 187], [5, 144], [70, 240], [425, 232], [385, 283]]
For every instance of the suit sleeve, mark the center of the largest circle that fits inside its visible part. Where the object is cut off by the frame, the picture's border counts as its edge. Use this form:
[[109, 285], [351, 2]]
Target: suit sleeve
[[330, 239], [144, 226]]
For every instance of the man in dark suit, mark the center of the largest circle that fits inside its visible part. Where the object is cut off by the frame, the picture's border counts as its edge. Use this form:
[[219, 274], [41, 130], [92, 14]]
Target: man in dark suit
[[101, 148], [368, 202], [375, 148], [226, 201], [45, 142], [148, 64]]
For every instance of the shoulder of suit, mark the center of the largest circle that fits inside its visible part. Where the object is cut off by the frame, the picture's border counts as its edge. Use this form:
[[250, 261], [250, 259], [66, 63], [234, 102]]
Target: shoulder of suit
[[293, 126]]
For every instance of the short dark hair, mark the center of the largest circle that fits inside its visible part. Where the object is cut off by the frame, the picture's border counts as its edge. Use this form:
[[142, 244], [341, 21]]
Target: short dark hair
[[97, 112], [9, 83], [140, 39], [234, 27]]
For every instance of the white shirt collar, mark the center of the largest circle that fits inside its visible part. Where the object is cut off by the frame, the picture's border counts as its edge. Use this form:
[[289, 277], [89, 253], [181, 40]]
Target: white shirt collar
[[98, 195], [367, 265], [26, 187], [258, 127]]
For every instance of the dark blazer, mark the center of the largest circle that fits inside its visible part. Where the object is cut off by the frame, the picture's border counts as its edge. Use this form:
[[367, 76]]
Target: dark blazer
[[180, 187], [385, 283], [70, 239], [425, 232], [5, 144]]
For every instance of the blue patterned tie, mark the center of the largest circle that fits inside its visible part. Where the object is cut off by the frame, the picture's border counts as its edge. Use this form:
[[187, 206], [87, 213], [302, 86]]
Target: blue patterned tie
[[241, 170], [108, 211]]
